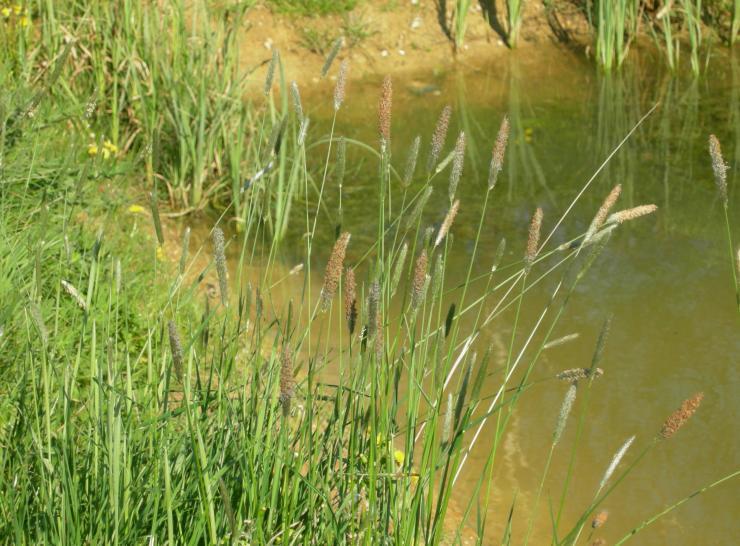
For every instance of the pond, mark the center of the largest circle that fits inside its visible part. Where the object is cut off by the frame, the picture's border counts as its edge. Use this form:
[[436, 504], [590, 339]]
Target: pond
[[665, 278]]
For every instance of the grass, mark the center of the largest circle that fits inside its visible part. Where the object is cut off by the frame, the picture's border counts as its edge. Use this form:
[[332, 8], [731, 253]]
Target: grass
[[137, 406]]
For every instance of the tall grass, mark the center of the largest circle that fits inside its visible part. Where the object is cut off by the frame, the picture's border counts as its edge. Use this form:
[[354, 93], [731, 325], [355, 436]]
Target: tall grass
[[616, 25], [514, 21], [137, 406], [460, 21]]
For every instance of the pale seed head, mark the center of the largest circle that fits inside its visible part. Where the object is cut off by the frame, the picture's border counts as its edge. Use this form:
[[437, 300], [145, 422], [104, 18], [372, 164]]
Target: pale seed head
[[719, 167], [447, 223]]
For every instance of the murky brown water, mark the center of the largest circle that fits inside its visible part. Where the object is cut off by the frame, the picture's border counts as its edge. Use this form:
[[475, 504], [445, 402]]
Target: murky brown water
[[665, 278]]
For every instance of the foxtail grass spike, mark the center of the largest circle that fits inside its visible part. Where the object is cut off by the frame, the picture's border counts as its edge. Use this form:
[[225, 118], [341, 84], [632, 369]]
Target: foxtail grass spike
[[408, 173], [271, 70], [438, 138], [373, 309], [499, 151], [603, 211], [350, 299], [630, 214], [185, 249], [287, 381], [679, 417], [458, 161], [601, 342], [600, 519], [570, 397], [340, 87], [398, 269], [176, 348], [384, 112], [219, 256], [74, 294], [719, 167], [295, 93], [447, 223], [499, 255], [533, 240], [336, 46], [615, 462], [437, 275], [575, 374], [561, 341], [155, 217], [341, 161], [334, 270], [420, 280], [303, 130], [447, 424]]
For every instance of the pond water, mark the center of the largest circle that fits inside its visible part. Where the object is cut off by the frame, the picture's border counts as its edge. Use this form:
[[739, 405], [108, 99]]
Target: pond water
[[666, 278]]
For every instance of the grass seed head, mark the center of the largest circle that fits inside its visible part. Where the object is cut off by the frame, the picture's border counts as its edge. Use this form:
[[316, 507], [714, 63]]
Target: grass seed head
[[350, 299], [287, 381], [420, 279], [719, 167], [295, 93], [447, 223], [570, 397], [408, 173], [533, 240], [271, 70], [499, 150], [334, 270], [438, 138], [219, 254], [458, 161], [678, 418], [601, 214], [600, 519], [384, 111], [176, 348], [630, 214], [576, 374], [340, 87]]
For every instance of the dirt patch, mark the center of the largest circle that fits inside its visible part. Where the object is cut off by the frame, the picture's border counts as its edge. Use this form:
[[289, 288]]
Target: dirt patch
[[401, 36]]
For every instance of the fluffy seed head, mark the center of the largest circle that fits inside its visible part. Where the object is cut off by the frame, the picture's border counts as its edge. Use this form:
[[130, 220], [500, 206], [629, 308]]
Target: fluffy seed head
[[271, 70], [447, 223], [297, 105], [334, 270], [408, 173], [630, 214], [384, 111], [350, 299], [373, 308], [419, 280], [398, 269], [600, 519], [438, 138], [339, 88], [719, 167], [600, 217], [615, 462], [533, 240], [341, 160], [287, 382], [176, 348], [74, 294], [336, 46], [457, 165], [678, 418], [570, 397], [219, 255], [447, 425], [499, 149], [576, 374]]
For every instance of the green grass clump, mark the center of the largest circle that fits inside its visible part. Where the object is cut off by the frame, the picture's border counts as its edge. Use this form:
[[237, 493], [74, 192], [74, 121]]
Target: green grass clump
[[139, 404], [313, 7]]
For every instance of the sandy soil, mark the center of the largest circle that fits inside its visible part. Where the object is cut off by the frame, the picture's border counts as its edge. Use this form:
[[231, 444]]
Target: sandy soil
[[390, 37]]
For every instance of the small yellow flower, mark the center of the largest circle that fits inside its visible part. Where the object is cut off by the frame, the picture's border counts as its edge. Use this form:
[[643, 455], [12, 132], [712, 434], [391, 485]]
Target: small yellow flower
[[17, 9], [5, 12], [24, 21], [109, 149], [399, 457], [92, 149], [136, 209], [160, 253]]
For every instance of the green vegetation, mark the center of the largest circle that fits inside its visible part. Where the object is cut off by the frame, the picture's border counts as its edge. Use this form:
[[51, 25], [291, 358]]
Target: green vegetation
[[133, 409], [514, 19], [313, 7]]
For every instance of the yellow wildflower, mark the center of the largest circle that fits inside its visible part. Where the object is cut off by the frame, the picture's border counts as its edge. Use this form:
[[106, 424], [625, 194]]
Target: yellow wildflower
[[399, 457], [136, 209], [17, 9], [160, 253], [109, 149], [92, 149], [24, 21], [5, 12]]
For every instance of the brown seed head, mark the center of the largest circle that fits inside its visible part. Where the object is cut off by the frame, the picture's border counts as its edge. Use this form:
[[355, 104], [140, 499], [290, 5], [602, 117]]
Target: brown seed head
[[576, 374], [630, 214], [533, 240], [719, 167], [350, 299], [384, 110], [373, 308], [499, 149], [419, 280], [219, 254], [334, 270], [287, 382], [679, 417], [600, 519], [438, 138], [447, 223]]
